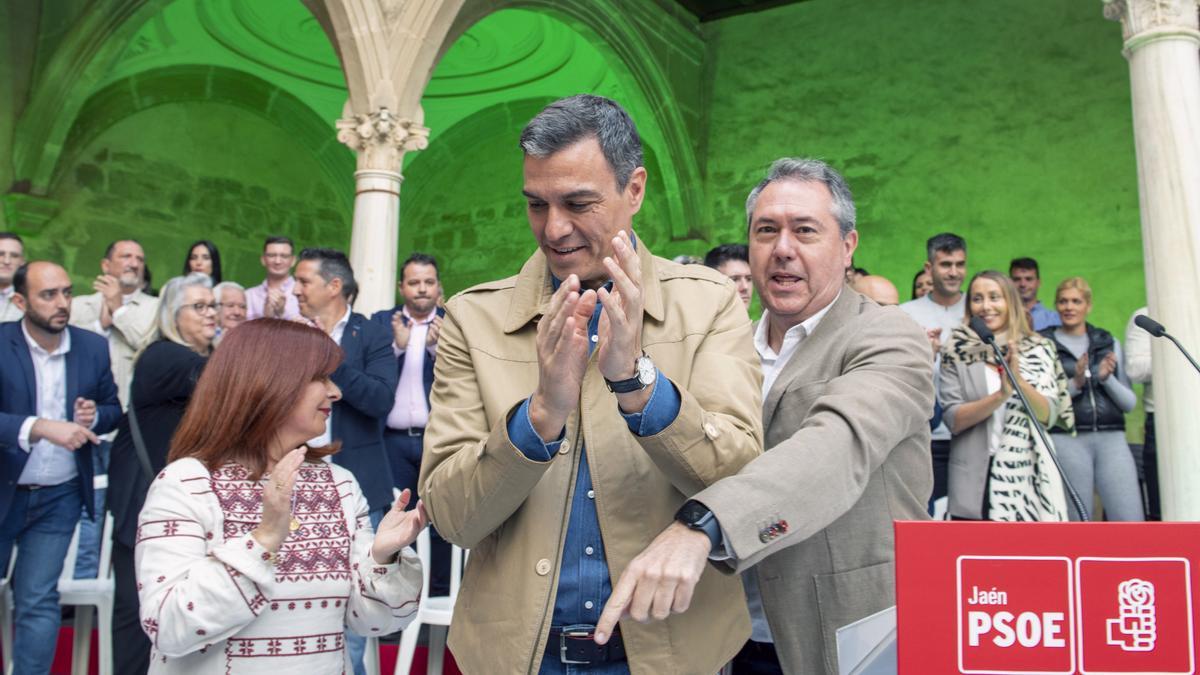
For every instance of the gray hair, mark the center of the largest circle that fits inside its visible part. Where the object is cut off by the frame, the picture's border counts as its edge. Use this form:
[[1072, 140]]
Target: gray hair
[[226, 286], [809, 170], [570, 120], [170, 302]]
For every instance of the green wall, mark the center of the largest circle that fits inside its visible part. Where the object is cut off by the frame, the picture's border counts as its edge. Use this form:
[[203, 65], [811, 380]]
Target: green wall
[[1006, 122], [231, 177]]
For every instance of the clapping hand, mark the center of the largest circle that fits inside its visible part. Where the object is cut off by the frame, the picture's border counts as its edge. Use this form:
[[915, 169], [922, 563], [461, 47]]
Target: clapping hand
[[398, 529], [1108, 366], [562, 349], [400, 331], [435, 331], [85, 412], [277, 501]]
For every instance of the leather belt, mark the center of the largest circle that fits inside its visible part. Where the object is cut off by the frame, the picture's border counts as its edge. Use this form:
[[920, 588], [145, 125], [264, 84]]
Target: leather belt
[[574, 645], [411, 431]]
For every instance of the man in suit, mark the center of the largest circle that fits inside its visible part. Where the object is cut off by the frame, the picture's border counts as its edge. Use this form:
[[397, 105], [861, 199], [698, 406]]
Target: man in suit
[[56, 395], [415, 327], [12, 256], [847, 391], [324, 289]]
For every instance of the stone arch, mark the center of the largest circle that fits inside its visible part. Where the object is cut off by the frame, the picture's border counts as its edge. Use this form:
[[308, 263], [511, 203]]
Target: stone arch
[[609, 26], [94, 43], [183, 84]]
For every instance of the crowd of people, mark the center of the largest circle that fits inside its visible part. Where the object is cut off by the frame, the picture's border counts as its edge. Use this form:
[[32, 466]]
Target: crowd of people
[[607, 431]]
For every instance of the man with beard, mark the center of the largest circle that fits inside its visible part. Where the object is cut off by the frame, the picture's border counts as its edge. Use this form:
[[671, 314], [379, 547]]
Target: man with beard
[[119, 309], [12, 256], [938, 312], [415, 327], [56, 395]]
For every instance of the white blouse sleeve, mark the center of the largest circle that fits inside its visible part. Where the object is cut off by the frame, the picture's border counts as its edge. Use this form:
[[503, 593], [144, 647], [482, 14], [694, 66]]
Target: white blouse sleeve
[[192, 596], [384, 598]]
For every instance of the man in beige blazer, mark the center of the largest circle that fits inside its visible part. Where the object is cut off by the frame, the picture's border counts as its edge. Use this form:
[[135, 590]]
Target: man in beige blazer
[[119, 309], [848, 395], [575, 407]]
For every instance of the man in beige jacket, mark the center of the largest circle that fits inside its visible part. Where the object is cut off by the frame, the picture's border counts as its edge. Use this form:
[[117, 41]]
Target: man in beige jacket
[[848, 392], [575, 408], [119, 309]]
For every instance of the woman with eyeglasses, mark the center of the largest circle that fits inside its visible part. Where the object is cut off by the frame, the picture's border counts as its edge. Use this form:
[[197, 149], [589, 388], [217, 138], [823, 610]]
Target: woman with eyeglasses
[[163, 379]]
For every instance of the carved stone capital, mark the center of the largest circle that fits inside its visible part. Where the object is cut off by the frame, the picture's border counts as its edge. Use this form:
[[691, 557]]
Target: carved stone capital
[[381, 138], [1144, 21]]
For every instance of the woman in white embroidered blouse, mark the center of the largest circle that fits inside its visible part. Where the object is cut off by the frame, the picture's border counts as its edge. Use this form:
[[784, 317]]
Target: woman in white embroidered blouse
[[251, 555]]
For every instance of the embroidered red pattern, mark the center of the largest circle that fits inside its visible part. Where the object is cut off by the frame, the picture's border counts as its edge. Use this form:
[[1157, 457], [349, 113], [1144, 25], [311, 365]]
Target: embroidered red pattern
[[320, 549]]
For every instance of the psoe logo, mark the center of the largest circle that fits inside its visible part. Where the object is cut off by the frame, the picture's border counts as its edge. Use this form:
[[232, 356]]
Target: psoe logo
[[1134, 630], [1015, 615]]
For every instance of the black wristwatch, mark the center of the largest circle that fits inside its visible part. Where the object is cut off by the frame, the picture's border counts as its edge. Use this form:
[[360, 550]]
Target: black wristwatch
[[698, 517], [644, 376]]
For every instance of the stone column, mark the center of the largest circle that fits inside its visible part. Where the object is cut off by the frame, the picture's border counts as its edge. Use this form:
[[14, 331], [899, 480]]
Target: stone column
[[380, 139], [1161, 44]]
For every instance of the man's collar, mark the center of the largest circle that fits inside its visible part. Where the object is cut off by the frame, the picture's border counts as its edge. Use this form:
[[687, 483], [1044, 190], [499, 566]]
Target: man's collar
[[806, 327], [535, 285], [64, 342]]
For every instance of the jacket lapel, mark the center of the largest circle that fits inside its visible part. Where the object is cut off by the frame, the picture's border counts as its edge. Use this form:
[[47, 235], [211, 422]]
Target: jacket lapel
[[24, 359], [73, 364], [812, 349]]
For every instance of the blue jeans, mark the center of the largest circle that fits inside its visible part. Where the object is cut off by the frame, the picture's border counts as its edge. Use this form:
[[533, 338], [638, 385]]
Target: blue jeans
[[356, 644], [40, 522], [87, 557]]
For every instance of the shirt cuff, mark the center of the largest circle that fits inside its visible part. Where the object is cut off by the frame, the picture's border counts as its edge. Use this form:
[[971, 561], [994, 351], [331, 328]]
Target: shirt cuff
[[23, 434], [526, 438], [660, 411], [722, 550]]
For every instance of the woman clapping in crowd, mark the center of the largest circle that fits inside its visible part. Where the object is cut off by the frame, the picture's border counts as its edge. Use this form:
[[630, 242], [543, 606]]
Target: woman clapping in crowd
[[999, 469]]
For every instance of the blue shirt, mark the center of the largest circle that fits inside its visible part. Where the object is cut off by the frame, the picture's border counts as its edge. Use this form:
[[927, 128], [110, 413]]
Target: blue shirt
[[584, 583], [1044, 318]]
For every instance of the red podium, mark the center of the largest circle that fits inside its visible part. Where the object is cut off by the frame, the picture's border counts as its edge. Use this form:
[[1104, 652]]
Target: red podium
[[1050, 598]]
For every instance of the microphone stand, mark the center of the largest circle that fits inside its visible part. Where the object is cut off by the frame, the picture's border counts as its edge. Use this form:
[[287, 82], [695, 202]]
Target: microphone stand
[[1182, 350], [1037, 424]]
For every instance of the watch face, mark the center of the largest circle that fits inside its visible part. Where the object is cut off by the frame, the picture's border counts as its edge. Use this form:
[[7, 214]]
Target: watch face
[[646, 372]]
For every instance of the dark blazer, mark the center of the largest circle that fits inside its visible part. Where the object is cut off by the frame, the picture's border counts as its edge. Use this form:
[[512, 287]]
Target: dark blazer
[[89, 374], [367, 378], [164, 377], [384, 318]]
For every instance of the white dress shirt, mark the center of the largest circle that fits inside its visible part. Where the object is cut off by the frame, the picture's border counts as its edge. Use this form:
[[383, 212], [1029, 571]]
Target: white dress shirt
[[8, 310], [48, 464], [931, 315], [773, 364], [338, 329], [410, 409]]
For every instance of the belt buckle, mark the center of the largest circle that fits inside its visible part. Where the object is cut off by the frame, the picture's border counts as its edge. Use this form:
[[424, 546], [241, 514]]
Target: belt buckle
[[580, 631], [414, 431]]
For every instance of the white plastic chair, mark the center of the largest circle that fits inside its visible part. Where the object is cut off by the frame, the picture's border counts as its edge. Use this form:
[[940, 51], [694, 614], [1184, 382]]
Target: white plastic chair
[[6, 613], [85, 594], [435, 612]]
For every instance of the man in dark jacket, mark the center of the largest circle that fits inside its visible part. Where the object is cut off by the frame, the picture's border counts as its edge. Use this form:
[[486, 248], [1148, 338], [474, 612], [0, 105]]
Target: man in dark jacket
[[414, 327], [56, 396]]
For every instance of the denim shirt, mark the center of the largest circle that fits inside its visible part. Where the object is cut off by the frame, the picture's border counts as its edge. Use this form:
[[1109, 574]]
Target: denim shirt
[[584, 583]]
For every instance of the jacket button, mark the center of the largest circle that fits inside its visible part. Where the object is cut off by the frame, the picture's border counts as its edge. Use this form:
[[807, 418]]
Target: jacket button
[[711, 431], [764, 536], [543, 567], [565, 447]]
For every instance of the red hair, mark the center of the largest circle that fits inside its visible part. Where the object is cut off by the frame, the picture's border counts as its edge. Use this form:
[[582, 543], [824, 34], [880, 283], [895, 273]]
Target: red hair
[[248, 390]]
